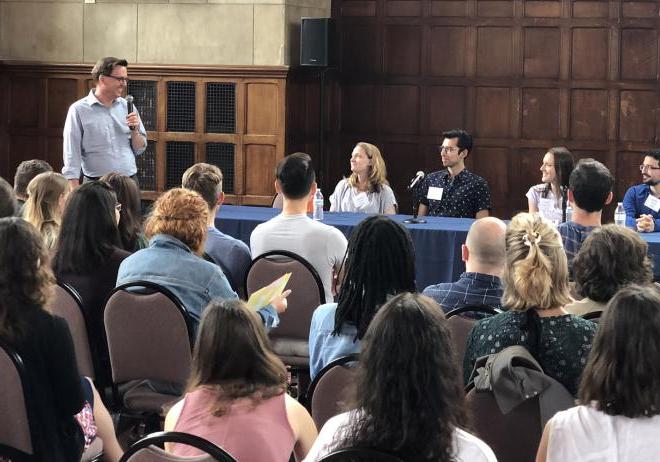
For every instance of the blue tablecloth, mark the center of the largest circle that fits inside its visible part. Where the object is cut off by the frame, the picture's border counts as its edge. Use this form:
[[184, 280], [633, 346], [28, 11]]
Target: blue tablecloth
[[437, 242]]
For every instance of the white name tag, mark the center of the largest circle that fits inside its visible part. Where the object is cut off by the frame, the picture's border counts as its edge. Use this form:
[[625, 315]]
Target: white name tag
[[652, 202], [361, 200], [434, 193]]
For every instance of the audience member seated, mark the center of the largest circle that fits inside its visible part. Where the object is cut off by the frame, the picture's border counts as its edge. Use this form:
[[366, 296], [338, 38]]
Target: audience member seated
[[380, 262], [484, 255], [619, 413], [8, 204], [231, 254], [44, 344], [367, 189], [237, 392], [130, 224], [88, 252], [610, 258], [409, 398], [535, 292], [176, 229], [321, 245], [47, 193], [549, 198], [590, 189], [25, 171]]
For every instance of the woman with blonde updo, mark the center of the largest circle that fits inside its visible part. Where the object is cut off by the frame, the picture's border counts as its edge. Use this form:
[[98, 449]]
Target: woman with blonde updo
[[536, 289], [47, 193], [367, 189], [176, 230]]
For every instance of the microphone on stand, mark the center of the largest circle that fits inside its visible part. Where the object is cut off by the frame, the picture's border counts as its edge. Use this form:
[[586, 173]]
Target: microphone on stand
[[129, 106], [414, 183]]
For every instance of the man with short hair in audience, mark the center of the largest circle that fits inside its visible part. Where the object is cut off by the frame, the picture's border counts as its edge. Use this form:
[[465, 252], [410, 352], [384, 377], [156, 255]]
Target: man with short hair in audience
[[232, 255], [8, 204], [321, 245], [25, 171], [484, 254], [642, 201], [589, 190]]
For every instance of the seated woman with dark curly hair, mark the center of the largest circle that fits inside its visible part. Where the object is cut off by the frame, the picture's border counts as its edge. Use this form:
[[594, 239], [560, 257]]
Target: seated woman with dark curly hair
[[618, 418], [610, 258]]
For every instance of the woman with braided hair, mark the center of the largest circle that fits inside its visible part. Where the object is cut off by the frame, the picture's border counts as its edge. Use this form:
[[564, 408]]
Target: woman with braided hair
[[379, 263], [535, 283]]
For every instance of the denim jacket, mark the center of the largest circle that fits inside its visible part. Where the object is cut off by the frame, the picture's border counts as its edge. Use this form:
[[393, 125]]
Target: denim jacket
[[169, 262]]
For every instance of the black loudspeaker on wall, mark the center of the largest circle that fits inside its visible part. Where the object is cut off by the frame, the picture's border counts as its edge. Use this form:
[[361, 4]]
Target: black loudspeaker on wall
[[316, 42]]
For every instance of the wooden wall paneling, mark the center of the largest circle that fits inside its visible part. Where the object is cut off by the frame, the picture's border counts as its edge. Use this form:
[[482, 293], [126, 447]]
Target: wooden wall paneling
[[403, 45], [446, 108], [447, 45], [543, 8], [400, 109], [4, 129], [590, 53], [494, 51], [638, 110], [540, 108], [493, 112], [491, 164], [399, 154], [259, 180], [639, 54], [589, 112], [541, 52]]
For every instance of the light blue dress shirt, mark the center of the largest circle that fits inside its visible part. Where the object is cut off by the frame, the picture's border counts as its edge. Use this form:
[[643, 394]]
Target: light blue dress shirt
[[323, 346], [97, 138]]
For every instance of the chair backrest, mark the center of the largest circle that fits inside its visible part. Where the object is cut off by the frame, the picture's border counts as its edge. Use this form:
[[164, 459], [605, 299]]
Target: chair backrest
[[513, 437], [460, 327], [278, 201], [593, 316], [329, 391], [306, 290], [147, 450], [67, 304], [359, 455], [15, 439], [149, 334], [482, 310]]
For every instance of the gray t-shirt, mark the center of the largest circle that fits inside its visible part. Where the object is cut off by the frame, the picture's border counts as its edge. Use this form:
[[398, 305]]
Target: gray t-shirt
[[321, 245], [349, 199]]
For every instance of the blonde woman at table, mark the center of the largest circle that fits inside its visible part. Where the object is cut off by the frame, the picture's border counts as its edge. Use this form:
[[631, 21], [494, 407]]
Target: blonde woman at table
[[367, 189], [546, 198]]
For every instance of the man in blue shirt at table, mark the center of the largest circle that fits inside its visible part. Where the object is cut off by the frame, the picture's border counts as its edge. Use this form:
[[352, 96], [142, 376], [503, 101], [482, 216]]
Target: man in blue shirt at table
[[642, 201], [484, 254], [230, 254], [455, 192], [100, 136]]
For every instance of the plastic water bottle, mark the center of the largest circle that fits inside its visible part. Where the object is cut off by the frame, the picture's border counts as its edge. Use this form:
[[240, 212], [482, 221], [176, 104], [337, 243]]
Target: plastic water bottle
[[318, 205], [620, 215], [569, 212]]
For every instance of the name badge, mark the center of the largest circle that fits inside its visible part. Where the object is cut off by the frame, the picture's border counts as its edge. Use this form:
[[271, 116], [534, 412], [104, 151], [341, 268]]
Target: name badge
[[434, 193], [361, 200], [652, 202]]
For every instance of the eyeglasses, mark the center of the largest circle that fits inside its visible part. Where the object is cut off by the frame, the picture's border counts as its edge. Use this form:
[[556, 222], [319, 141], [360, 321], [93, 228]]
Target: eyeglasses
[[118, 207], [123, 80], [647, 167], [448, 149]]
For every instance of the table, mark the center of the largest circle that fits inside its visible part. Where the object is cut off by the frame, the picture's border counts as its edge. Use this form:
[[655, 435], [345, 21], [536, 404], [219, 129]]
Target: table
[[437, 242], [653, 240]]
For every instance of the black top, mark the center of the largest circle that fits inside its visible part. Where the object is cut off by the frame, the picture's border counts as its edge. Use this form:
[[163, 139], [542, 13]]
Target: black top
[[562, 346], [55, 391], [462, 196]]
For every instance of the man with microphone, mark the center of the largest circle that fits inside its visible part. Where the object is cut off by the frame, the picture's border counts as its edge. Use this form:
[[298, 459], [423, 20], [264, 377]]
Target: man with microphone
[[454, 192], [642, 201], [103, 132]]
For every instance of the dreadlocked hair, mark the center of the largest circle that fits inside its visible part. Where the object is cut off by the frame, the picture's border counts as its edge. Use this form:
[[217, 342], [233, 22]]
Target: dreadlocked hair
[[379, 263]]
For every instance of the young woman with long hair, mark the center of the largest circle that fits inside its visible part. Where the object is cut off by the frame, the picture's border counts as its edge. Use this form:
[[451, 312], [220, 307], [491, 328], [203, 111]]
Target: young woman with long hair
[[47, 193], [380, 263], [237, 391], [619, 413], [130, 223], [409, 396], [535, 281], [549, 198]]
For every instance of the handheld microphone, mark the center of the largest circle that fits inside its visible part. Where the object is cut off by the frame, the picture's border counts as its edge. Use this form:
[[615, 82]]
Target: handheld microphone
[[129, 106], [418, 177]]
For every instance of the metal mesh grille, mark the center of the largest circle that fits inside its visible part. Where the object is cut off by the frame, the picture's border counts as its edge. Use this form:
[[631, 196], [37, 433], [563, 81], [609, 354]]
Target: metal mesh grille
[[180, 155], [222, 155], [181, 106], [220, 107], [146, 165], [144, 94]]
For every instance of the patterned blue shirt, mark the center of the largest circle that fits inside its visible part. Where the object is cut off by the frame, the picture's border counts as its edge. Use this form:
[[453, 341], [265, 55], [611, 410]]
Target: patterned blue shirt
[[470, 289], [462, 196], [633, 204], [573, 235]]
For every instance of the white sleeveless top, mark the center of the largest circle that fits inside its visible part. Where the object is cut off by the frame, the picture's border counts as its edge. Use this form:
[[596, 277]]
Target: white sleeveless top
[[584, 434]]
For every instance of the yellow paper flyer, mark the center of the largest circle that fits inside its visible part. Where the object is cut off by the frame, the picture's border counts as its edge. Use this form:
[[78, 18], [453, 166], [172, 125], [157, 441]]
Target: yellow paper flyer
[[263, 296]]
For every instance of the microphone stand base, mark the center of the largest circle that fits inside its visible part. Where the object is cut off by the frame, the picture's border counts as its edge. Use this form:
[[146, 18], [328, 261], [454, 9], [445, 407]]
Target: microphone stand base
[[414, 221]]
